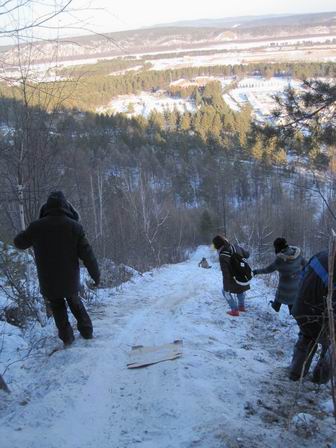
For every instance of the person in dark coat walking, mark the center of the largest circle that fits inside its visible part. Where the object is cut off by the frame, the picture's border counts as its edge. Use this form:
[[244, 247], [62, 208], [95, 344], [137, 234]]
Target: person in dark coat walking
[[59, 241], [289, 262], [310, 312], [230, 286]]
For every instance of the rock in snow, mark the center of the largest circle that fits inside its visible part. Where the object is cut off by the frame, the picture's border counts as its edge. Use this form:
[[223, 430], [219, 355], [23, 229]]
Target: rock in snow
[[306, 424]]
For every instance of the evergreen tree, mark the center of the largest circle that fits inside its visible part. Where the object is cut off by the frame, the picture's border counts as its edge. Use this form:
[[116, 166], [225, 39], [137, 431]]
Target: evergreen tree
[[312, 109], [185, 122], [198, 98], [257, 149]]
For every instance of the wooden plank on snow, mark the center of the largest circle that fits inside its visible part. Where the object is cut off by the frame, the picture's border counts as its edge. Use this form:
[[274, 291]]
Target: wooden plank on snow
[[141, 356]]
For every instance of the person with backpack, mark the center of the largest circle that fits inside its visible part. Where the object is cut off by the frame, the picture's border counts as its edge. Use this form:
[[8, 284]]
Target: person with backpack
[[289, 262], [310, 313], [59, 241], [236, 273]]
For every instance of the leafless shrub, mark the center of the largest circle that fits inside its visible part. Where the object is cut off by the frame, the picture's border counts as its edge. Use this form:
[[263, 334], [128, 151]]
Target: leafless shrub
[[20, 287]]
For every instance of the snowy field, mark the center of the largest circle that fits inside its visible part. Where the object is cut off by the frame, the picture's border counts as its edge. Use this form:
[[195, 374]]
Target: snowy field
[[228, 390], [258, 55], [256, 91], [202, 81], [145, 103], [259, 93]]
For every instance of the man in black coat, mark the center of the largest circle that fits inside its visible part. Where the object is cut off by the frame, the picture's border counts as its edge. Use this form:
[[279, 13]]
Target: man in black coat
[[59, 241], [310, 312]]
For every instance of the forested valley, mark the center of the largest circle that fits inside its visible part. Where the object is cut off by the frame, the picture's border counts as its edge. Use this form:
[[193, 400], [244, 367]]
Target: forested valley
[[149, 189]]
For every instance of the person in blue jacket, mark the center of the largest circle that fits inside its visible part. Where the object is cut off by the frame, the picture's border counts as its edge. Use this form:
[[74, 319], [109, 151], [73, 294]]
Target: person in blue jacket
[[310, 312]]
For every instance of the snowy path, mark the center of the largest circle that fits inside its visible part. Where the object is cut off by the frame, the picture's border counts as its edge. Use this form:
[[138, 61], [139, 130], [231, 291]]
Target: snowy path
[[228, 390]]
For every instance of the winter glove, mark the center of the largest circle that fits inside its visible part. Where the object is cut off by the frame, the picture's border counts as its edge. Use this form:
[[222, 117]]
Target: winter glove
[[92, 285], [255, 272]]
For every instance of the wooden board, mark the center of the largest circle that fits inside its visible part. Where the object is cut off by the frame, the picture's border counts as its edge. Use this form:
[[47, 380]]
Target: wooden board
[[141, 356]]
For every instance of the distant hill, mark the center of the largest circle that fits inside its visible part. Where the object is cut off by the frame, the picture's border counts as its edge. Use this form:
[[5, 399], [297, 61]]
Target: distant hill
[[186, 35], [325, 19]]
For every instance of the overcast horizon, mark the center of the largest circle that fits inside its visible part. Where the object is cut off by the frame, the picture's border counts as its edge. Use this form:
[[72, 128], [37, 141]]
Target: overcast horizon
[[138, 15], [147, 13], [85, 17]]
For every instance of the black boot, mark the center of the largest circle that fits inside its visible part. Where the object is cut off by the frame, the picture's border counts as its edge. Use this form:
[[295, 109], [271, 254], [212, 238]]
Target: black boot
[[275, 305], [60, 314], [84, 323], [322, 370], [68, 342]]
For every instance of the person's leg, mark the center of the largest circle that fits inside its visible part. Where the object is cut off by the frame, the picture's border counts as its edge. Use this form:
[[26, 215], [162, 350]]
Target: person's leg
[[241, 301], [322, 370], [290, 308], [304, 352], [232, 303], [276, 304], [84, 323], [60, 314], [47, 307]]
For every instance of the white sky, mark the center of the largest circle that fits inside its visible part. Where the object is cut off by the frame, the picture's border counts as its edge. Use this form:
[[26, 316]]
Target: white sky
[[102, 16], [128, 14]]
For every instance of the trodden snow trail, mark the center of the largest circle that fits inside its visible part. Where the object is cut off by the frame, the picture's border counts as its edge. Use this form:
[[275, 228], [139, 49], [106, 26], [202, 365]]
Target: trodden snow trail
[[228, 390]]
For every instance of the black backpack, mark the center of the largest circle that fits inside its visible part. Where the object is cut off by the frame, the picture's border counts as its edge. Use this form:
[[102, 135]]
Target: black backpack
[[241, 270]]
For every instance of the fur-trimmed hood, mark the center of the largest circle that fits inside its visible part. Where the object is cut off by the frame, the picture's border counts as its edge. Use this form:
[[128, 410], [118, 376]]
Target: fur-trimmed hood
[[291, 253]]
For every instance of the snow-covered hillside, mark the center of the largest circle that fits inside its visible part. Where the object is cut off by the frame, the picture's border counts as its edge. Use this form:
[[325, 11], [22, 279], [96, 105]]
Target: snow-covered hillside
[[229, 389]]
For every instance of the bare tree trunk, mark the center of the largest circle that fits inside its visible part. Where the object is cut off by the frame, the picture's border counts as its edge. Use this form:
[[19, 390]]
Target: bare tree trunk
[[20, 187], [331, 319], [222, 195], [94, 208], [100, 195], [21, 207], [224, 207], [101, 209]]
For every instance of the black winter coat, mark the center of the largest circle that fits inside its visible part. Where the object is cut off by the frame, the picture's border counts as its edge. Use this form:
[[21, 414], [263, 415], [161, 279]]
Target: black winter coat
[[229, 283], [58, 242], [289, 263], [309, 308]]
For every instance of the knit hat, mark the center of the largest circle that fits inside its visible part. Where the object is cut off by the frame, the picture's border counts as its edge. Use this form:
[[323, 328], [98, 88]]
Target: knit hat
[[219, 241], [280, 244]]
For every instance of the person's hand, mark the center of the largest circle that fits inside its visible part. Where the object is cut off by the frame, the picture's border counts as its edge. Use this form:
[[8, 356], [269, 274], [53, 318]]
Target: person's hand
[[92, 285], [254, 272]]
